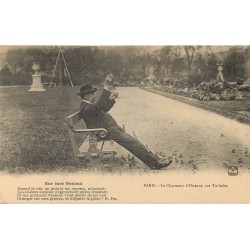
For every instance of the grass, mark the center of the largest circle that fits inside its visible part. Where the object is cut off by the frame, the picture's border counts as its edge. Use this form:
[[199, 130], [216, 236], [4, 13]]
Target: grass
[[34, 135]]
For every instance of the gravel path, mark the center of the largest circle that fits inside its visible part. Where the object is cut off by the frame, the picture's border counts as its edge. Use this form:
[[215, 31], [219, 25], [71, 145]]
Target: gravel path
[[197, 139]]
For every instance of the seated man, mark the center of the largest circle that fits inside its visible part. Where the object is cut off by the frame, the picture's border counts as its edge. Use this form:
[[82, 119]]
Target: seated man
[[95, 116]]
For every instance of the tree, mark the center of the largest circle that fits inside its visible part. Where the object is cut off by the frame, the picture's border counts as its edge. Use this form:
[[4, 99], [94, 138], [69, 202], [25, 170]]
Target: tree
[[5, 75], [177, 66], [201, 65], [167, 57], [235, 63], [190, 51], [14, 59], [114, 62], [143, 58], [212, 68], [82, 64], [20, 59], [247, 65], [164, 61]]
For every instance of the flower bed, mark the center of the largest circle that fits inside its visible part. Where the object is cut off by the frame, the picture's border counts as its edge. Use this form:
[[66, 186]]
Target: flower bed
[[206, 91]]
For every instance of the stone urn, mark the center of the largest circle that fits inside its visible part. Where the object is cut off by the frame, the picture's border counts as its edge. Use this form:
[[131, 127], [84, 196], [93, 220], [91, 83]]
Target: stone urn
[[36, 67], [37, 83]]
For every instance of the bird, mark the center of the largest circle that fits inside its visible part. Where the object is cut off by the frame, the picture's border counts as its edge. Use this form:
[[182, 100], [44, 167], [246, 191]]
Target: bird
[[133, 161], [123, 159]]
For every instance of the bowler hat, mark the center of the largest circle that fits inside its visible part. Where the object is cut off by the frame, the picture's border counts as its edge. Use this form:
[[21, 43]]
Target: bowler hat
[[86, 89]]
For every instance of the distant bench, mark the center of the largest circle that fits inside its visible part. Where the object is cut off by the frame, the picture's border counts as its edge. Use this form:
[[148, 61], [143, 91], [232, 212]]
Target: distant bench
[[93, 154]]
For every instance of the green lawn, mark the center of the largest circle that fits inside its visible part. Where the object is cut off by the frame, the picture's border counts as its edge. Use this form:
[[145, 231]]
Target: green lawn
[[33, 131]]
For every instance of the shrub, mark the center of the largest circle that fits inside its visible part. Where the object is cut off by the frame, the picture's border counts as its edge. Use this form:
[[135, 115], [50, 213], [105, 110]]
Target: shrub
[[22, 78], [205, 91], [5, 76]]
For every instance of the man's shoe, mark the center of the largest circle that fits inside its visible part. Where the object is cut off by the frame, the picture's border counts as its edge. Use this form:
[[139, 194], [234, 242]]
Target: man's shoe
[[162, 164]]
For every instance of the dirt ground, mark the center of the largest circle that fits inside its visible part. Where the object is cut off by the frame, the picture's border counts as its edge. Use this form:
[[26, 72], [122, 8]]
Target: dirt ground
[[198, 140]]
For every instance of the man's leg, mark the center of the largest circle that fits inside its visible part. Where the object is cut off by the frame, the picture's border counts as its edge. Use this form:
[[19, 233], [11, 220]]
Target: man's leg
[[134, 146]]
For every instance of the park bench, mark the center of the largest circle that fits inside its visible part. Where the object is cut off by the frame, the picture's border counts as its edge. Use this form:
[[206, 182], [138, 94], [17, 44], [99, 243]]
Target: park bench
[[93, 154]]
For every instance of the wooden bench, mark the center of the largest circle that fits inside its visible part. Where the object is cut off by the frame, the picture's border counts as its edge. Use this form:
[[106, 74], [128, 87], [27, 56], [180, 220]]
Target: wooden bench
[[93, 154]]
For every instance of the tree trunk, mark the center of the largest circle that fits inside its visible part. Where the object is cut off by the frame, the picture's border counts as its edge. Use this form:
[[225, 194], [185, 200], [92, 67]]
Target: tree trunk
[[189, 69], [144, 69]]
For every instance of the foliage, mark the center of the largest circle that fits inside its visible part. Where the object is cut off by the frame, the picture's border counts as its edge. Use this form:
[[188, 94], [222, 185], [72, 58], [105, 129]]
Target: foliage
[[211, 69], [205, 91], [5, 75], [206, 67], [90, 64], [235, 63], [190, 52]]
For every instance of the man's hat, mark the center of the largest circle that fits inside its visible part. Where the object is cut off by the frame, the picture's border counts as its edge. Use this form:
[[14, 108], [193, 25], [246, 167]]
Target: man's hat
[[87, 89]]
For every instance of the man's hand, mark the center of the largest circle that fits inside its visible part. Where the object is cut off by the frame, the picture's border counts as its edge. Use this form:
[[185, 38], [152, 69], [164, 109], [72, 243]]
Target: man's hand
[[113, 95]]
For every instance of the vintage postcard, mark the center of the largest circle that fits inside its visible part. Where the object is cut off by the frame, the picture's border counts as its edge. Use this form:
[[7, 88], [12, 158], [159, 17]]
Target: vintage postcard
[[124, 124]]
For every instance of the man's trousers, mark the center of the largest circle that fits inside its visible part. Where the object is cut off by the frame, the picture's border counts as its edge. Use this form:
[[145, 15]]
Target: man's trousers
[[132, 145]]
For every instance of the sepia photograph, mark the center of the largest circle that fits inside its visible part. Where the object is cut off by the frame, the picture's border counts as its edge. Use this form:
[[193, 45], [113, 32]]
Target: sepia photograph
[[130, 112], [124, 124]]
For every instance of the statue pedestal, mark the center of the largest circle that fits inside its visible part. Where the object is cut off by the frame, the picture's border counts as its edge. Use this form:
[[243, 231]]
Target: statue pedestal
[[37, 84]]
